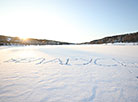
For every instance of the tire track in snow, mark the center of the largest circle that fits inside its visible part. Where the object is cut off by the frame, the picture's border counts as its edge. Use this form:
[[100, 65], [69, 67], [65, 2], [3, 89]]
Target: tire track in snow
[[102, 64], [92, 97], [61, 62], [105, 62], [43, 59]]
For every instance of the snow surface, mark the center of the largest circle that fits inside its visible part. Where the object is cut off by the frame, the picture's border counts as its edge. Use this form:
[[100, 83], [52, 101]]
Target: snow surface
[[74, 73]]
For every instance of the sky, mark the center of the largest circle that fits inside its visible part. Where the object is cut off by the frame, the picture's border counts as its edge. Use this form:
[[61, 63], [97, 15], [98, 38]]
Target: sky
[[68, 20]]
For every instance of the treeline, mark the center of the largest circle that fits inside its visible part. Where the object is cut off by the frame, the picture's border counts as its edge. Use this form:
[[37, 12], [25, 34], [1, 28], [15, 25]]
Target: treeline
[[125, 38], [7, 40]]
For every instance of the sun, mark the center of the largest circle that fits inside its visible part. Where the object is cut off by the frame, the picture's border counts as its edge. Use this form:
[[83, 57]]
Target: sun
[[23, 38]]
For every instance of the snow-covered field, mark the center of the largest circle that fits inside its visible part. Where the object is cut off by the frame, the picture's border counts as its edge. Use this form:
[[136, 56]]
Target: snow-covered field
[[74, 73]]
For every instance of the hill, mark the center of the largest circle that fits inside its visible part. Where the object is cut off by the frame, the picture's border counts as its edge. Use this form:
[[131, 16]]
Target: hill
[[124, 38], [7, 40]]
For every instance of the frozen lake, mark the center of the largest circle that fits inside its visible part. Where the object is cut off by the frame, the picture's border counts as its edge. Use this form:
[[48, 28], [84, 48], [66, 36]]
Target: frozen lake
[[73, 73]]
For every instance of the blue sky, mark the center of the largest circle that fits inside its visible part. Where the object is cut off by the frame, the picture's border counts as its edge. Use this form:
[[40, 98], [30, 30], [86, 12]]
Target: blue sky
[[68, 20]]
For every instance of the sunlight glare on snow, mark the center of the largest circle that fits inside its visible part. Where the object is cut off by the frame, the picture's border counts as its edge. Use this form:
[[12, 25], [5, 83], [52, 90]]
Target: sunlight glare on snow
[[26, 53]]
